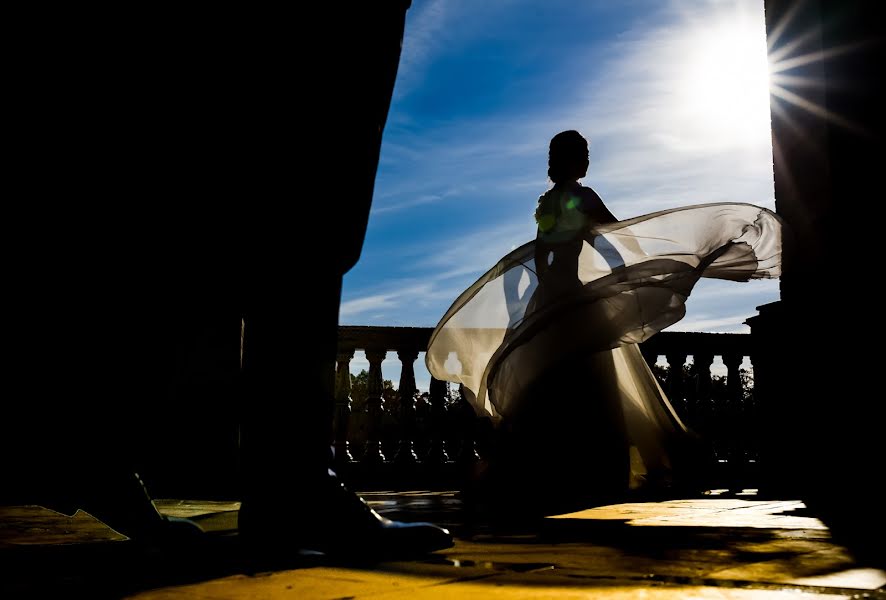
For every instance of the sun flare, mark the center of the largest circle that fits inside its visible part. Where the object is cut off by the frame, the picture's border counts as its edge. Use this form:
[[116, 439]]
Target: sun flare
[[725, 84], [729, 80], [721, 86]]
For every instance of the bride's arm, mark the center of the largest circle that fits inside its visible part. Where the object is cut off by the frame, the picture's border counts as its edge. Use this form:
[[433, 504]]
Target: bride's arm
[[598, 212], [592, 205]]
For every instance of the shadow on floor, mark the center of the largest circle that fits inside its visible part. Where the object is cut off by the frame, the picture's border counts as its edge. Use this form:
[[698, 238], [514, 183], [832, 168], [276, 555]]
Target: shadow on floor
[[668, 548]]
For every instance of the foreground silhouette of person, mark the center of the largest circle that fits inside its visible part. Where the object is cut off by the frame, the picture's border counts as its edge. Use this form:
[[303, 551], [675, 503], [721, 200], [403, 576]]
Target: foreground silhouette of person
[[580, 418], [216, 197]]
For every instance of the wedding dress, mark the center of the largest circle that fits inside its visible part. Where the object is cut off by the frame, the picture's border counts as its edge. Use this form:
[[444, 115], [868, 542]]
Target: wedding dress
[[545, 343]]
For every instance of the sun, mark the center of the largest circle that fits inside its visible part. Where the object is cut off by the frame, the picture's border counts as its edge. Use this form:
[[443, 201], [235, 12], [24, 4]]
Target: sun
[[729, 80], [723, 88]]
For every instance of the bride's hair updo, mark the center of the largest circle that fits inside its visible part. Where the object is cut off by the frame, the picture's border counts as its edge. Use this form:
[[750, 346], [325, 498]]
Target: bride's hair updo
[[567, 157]]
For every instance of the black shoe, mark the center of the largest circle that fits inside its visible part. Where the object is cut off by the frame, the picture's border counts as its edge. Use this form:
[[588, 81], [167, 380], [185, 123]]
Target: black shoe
[[337, 522], [124, 504]]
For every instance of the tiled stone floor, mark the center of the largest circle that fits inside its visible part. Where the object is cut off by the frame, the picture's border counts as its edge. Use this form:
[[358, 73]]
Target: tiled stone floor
[[712, 547]]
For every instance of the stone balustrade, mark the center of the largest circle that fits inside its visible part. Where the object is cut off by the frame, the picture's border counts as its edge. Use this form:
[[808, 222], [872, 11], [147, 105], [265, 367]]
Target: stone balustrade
[[432, 437]]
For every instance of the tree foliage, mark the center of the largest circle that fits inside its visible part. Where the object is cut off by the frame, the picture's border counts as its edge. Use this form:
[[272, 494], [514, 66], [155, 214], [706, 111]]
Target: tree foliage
[[360, 387]]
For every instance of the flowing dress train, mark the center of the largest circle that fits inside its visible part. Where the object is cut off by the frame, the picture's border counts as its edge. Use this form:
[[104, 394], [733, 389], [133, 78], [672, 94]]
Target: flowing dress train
[[553, 355]]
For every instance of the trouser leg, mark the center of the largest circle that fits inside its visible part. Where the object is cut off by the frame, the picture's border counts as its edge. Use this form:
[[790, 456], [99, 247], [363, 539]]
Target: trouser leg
[[289, 354]]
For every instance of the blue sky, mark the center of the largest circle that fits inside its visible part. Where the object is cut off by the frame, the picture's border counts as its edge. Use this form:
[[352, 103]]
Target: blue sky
[[672, 96]]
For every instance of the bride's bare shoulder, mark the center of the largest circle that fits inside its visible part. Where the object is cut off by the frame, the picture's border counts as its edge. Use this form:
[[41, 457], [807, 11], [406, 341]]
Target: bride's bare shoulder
[[592, 205], [590, 193]]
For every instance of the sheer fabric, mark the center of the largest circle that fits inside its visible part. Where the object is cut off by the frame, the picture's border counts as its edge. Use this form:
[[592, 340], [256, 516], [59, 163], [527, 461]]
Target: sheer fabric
[[598, 295]]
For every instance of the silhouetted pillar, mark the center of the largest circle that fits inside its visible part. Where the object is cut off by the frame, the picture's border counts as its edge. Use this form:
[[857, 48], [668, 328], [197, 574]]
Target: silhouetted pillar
[[733, 418], [343, 406], [437, 453], [374, 408], [676, 360], [733, 381], [650, 354], [829, 145], [703, 370], [467, 452], [406, 452], [704, 404]]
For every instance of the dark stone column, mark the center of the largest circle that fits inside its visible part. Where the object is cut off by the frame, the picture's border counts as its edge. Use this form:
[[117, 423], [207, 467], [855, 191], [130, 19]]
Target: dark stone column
[[406, 453], [650, 354], [342, 407], [676, 360], [375, 408], [703, 404], [702, 366], [819, 394], [733, 380], [437, 453], [467, 422], [736, 430]]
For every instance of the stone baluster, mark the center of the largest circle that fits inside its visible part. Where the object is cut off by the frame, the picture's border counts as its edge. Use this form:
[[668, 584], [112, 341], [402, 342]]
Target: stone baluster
[[467, 452], [703, 371], [406, 451], [342, 406], [650, 354], [676, 360], [735, 419], [437, 454], [733, 382], [375, 408], [706, 416], [750, 403], [751, 414], [703, 383]]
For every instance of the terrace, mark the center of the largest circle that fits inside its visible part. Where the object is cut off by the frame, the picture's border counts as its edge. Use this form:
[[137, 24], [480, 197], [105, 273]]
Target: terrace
[[780, 500], [714, 546], [410, 458]]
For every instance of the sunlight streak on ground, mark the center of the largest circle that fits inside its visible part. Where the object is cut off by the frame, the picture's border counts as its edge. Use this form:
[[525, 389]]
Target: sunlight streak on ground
[[726, 512]]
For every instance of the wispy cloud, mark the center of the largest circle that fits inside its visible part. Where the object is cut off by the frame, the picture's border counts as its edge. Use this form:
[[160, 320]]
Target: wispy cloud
[[434, 28], [431, 277], [723, 306], [410, 197], [425, 199], [650, 147], [458, 189], [380, 303], [713, 291], [426, 31], [476, 250]]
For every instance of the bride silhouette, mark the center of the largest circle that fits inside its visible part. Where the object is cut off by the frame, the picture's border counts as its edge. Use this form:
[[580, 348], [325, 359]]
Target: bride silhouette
[[545, 343]]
